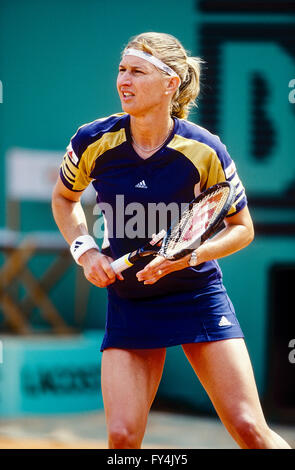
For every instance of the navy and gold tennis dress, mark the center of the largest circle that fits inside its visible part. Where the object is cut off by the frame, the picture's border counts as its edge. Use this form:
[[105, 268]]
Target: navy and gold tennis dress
[[138, 197]]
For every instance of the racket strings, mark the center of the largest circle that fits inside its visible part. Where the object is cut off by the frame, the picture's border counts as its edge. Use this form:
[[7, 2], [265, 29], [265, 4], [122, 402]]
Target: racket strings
[[195, 220]]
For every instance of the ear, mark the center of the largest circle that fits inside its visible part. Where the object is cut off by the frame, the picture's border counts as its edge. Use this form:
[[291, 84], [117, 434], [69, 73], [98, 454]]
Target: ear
[[172, 85]]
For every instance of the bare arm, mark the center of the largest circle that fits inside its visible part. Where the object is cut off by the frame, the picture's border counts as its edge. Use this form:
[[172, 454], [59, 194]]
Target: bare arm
[[68, 212], [70, 219], [238, 233]]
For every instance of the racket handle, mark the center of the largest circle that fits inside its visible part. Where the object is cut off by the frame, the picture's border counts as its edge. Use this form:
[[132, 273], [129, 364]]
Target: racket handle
[[121, 264]]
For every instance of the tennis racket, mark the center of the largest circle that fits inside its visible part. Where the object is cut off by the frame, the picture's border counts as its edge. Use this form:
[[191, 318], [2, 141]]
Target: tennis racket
[[199, 221]]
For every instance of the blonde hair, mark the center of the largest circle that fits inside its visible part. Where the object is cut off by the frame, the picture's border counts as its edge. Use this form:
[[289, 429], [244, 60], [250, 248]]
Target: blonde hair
[[170, 51]]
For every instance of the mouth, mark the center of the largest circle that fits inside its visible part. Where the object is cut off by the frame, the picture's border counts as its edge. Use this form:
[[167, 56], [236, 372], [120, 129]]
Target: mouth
[[126, 95]]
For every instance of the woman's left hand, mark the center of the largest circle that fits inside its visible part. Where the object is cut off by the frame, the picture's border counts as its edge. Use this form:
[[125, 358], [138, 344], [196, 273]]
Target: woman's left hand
[[160, 267]]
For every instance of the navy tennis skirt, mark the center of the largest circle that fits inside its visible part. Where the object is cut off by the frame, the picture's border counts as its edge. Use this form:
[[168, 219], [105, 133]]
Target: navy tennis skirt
[[201, 315]]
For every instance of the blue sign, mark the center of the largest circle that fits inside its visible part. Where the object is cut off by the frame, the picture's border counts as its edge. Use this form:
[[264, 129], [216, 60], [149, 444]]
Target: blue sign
[[50, 375]]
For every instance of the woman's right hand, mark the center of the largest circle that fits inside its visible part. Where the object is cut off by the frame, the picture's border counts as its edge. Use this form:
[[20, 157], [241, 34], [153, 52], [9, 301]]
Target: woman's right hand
[[97, 268]]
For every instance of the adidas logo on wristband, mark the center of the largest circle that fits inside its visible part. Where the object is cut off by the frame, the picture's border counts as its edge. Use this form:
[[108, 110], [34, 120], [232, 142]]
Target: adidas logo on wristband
[[82, 244], [77, 245]]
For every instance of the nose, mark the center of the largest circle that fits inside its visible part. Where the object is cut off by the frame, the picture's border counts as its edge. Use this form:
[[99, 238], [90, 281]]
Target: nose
[[124, 78]]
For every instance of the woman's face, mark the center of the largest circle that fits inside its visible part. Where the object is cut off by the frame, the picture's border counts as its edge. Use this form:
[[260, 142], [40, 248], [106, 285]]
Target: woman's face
[[141, 86]]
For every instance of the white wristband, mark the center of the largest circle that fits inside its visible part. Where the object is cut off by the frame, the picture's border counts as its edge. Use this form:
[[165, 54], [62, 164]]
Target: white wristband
[[82, 244]]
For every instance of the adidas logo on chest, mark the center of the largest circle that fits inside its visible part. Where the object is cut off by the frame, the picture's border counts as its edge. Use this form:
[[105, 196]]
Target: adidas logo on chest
[[141, 185]]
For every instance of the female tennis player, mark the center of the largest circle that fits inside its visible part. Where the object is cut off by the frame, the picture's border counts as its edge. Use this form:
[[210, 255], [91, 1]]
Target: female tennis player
[[152, 156]]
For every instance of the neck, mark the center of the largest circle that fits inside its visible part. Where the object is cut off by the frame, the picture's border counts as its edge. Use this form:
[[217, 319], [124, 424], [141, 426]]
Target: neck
[[149, 133]]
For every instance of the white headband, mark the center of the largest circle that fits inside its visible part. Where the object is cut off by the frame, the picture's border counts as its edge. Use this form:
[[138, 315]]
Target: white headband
[[153, 60]]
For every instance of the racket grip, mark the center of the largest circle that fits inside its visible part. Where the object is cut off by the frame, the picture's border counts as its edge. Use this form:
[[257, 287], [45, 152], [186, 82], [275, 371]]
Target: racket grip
[[121, 264]]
